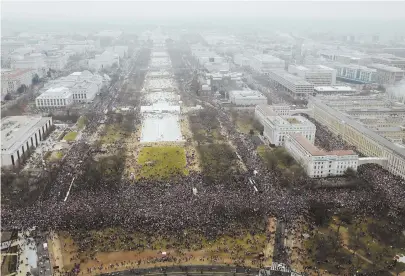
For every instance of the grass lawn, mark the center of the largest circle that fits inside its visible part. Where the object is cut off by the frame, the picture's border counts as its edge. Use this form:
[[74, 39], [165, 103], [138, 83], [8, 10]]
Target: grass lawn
[[112, 134], [113, 245], [262, 150], [56, 155], [162, 162], [245, 122], [71, 136]]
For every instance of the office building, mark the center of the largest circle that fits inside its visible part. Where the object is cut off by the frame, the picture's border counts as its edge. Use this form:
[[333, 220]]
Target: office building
[[317, 162], [264, 110], [277, 127], [266, 63], [347, 57], [366, 141], [355, 73], [292, 85], [390, 60], [318, 75], [386, 74], [104, 60], [11, 80], [19, 134], [247, 97], [56, 62], [59, 97]]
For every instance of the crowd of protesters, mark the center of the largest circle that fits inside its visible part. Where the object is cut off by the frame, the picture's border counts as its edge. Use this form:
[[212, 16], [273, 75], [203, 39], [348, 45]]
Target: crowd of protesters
[[169, 207]]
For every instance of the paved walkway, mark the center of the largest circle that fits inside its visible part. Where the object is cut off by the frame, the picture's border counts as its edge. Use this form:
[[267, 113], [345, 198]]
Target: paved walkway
[[55, 251]]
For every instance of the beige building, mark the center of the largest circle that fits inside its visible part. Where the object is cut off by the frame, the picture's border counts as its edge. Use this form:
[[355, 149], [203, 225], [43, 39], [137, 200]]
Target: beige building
[[367, 141], [317, 162], [318, 75]]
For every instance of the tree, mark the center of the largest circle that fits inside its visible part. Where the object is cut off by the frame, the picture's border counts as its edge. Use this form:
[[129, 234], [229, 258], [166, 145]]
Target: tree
[[258, 126], [319, 212], [22, 89], [350, 172], [251, 132], [7, 97], [35, 79], [381, 88]]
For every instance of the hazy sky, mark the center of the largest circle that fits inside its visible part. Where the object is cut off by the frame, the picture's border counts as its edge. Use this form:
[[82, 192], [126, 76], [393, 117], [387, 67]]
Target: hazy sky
[[137, 10]]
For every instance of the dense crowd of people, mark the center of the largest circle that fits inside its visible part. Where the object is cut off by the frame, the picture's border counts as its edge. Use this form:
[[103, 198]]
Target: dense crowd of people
[[170, 206]]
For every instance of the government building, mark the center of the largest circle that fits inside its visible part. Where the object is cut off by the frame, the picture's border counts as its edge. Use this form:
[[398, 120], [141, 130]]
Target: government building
[[276, 128], [317, 162], [356, 128], [20, 134]]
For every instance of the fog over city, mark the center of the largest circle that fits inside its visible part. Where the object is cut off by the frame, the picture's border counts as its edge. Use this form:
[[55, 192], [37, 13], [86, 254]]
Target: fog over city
[[202, 138]]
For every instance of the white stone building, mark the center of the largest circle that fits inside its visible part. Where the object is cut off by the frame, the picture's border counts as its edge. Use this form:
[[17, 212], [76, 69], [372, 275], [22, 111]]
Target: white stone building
[[264, 110], [84, 91], [11, 80], [84, 86], [20, 133], [316, 74], [317, 162], [277, 127], [247, 97], [59, 97], [293, 85], [56, 62], [265, 63], [104, 60]]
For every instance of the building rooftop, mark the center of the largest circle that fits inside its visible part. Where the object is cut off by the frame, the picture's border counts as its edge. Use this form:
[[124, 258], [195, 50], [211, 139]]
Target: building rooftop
[[266, 110], [354, 66], [315, 151], [334, 88], [289, 120], [389, 57], [55, 91], [313, 68], [386, 68], [290, 77], [11, 74], [14, 129]]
